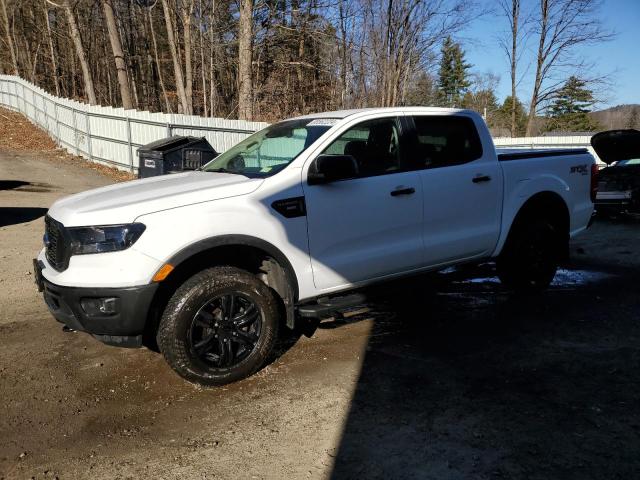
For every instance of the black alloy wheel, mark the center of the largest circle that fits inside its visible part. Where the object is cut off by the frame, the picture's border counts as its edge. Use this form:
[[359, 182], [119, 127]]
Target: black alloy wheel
[[225, 330]]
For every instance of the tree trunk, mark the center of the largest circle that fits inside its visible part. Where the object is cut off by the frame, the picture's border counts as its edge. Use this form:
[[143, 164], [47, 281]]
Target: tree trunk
[[157, 59], [54, 65], [182, 95], [84, 64], [212, 82], [533, 105], [205, 106], [118, 54], [188, 44], [343, 55], [245, 54], [515, 14], [12, 47]]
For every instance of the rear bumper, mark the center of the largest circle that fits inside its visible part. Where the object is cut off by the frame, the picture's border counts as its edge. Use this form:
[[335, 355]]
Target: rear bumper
[[617, 204], [124, 326]]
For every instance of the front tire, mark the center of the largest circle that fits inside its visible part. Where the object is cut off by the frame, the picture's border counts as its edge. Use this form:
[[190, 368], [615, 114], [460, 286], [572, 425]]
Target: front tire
[[530, 257], [220, 326]]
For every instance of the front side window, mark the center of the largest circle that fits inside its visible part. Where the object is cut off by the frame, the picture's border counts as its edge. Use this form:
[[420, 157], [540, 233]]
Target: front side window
[[270, 150], [443, 141], [374, 144]]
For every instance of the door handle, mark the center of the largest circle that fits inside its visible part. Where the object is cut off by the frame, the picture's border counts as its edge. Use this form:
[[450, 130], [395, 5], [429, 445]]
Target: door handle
[[403, 191], [481, 178]]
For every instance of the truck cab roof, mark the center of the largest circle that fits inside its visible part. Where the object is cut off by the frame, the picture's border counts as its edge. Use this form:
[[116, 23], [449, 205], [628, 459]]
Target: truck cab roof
[[340, 114]]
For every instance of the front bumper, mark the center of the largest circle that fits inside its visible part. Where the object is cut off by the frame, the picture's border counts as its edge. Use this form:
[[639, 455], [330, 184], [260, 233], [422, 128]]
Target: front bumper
[[123, 327]]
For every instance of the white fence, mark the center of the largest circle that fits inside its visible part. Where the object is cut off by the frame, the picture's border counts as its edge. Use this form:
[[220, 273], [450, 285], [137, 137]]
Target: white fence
[[112, 135], [568, 141]]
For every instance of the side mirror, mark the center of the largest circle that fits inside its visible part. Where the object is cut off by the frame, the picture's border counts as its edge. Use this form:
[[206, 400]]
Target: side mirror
[[331, 168]]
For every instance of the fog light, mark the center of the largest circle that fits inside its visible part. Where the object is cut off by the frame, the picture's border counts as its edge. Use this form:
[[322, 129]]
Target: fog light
[[99, 306]]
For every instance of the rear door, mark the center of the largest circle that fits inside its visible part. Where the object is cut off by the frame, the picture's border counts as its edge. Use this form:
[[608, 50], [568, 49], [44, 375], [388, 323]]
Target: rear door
[[462, 188], [370, 226]]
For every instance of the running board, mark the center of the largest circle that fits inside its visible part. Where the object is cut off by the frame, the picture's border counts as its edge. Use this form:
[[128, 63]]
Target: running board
[[329, 306]]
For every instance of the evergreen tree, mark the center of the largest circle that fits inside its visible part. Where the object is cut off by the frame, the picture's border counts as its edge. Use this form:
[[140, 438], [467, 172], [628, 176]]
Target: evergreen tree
[[453, 79], [570, 109], [502, 118]]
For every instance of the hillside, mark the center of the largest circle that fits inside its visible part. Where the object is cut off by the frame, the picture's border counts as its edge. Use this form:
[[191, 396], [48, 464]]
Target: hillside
[[620, 116]]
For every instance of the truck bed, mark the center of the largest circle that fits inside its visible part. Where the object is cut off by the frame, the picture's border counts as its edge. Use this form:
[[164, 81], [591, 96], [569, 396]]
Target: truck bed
[[564, 171]]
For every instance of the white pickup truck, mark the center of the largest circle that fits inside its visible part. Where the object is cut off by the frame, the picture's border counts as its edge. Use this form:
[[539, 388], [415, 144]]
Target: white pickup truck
[[212, 263]]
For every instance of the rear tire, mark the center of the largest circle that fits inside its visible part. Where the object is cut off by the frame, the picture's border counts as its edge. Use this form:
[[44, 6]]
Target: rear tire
[[220, 326], [531, 255]]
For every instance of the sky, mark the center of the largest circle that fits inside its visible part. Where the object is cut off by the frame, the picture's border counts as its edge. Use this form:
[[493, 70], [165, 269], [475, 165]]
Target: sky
[[618, 59]]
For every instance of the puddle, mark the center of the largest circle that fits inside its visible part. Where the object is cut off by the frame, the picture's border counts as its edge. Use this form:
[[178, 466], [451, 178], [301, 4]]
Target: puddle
[[481, 280], [572, 278], [563, 278]]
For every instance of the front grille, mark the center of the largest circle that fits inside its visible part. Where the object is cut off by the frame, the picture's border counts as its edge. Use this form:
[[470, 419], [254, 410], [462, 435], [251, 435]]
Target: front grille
[[56, 244]]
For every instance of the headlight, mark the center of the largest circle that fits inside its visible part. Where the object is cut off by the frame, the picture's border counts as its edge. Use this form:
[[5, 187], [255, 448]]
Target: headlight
[[104, 239]]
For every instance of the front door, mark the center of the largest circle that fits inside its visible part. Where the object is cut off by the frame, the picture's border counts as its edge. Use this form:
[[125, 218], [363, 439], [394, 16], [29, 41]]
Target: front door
[[370, 226]]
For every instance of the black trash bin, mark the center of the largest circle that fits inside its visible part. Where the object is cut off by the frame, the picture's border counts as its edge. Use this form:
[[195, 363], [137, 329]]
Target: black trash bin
[[173, 154]]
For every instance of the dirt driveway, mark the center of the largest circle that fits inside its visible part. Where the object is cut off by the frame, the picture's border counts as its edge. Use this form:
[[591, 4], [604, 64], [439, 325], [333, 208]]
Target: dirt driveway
[[445, 376]]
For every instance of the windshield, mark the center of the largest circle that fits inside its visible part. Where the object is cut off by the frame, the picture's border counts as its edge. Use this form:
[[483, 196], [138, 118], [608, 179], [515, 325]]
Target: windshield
[[269, 151]]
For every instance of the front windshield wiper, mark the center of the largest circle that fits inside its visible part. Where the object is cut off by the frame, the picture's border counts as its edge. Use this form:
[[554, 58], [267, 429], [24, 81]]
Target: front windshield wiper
[[223, 170]]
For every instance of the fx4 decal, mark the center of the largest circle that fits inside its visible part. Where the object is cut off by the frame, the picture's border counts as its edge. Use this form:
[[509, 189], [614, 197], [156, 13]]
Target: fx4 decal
[[581, 169]]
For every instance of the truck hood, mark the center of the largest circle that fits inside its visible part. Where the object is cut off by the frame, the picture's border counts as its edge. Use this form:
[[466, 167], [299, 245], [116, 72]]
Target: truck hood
[[124, 202], [615, 145]]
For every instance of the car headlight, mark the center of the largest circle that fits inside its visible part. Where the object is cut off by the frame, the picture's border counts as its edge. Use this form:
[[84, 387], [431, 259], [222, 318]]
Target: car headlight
[[104, 239]]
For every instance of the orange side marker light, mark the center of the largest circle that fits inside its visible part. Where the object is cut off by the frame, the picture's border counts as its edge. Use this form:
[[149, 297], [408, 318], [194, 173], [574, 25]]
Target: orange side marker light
[[161, 274]]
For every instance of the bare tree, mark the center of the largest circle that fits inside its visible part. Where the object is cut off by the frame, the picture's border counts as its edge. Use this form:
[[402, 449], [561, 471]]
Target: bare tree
[[511, 11], [177, 69], [187, 12], [344, 46], [52, 53], [9, 37], [80, 52], [152, 31], [399, 38], [202, 64], [245, 57], [561, 25], [118, 54]]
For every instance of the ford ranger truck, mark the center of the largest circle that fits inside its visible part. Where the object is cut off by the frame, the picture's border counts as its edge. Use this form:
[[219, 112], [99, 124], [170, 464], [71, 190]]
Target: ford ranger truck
[[209, 265]]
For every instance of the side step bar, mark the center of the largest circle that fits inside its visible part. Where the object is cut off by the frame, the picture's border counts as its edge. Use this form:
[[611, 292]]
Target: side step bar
[[329, 306]]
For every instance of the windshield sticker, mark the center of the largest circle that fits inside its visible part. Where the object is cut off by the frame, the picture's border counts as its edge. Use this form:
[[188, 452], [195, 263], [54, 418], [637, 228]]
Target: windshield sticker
[[323, 122], [265, 169]]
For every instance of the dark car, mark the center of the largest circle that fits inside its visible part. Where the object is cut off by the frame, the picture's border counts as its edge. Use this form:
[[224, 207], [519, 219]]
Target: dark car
[[619, 182]]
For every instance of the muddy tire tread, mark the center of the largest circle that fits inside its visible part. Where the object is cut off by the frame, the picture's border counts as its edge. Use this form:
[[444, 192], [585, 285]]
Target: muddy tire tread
[[180, 307]]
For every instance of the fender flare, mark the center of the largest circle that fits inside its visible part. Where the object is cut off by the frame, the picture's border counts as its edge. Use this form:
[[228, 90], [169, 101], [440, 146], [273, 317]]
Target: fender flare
[[246, 241]]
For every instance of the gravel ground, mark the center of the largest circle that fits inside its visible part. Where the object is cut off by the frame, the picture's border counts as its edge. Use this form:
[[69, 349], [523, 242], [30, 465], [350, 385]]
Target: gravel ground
[[444, 376]]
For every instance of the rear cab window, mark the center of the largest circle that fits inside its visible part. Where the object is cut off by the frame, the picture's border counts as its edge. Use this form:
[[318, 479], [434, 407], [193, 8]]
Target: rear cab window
[[442, 141]]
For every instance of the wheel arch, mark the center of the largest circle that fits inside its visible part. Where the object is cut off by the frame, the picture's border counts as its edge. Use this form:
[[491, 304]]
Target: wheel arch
[[243, 251], [546, 204]]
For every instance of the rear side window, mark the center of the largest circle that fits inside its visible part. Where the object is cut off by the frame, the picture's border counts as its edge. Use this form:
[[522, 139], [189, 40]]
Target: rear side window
[[442, 141]]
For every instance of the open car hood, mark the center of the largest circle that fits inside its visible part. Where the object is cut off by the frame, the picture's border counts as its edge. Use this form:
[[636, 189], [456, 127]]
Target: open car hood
[[615, 145]]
